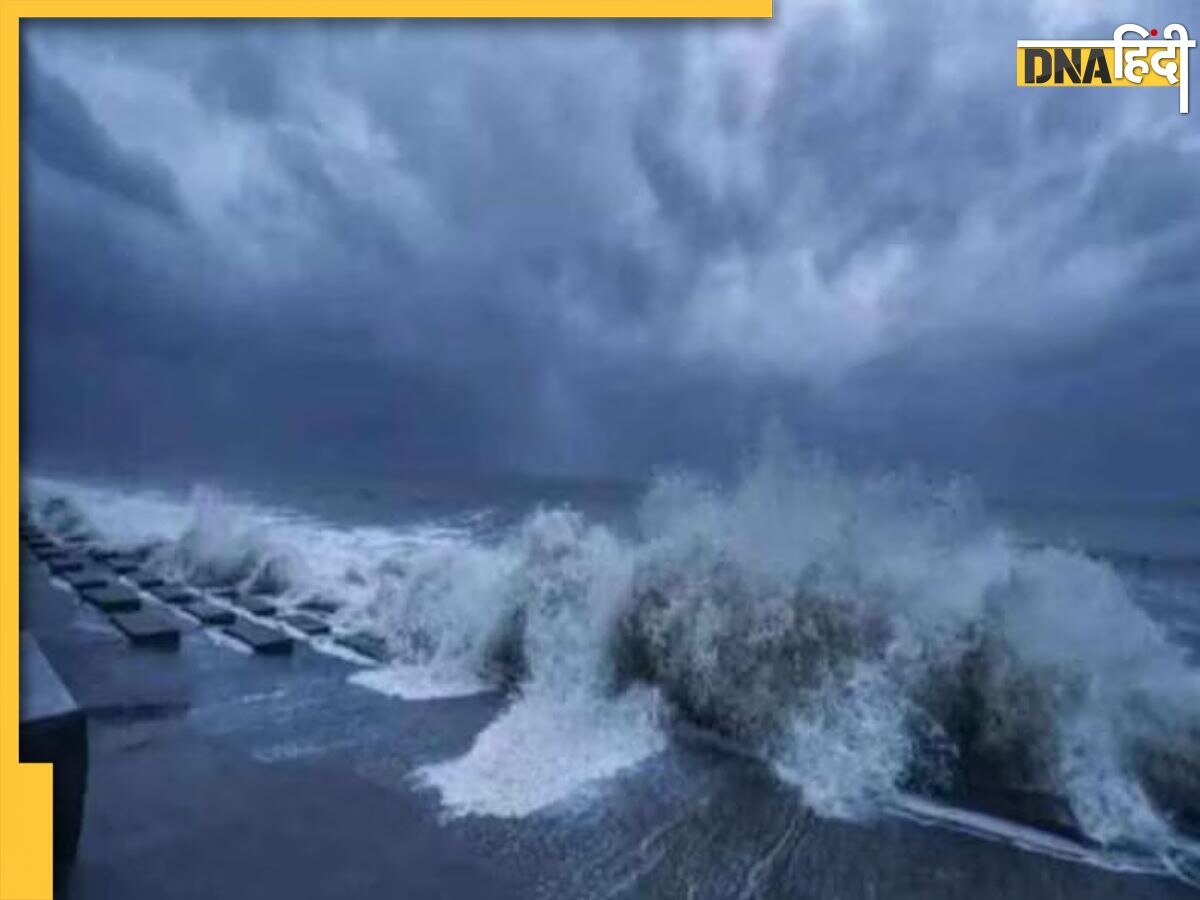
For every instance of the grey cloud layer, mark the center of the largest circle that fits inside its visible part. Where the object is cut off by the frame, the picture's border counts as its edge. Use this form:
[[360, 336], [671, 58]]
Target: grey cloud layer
[[599, 248]]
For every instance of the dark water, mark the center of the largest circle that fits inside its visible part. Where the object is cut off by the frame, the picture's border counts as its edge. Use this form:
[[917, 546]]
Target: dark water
[[1088, 617]]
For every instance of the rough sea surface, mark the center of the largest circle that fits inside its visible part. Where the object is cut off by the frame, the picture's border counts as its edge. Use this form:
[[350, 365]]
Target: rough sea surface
[[888, 646]]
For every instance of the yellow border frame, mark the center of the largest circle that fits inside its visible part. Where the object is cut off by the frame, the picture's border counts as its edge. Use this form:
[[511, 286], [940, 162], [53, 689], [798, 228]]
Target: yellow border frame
[[26, 791]]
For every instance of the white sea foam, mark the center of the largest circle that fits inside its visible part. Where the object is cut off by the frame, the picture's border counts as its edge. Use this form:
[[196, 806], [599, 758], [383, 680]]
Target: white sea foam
[[420, 682], [927, 812], [868, 636], [544, 749], [208, 537]]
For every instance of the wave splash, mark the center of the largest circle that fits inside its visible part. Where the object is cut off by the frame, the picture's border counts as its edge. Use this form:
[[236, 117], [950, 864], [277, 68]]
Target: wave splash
[[867, 636]]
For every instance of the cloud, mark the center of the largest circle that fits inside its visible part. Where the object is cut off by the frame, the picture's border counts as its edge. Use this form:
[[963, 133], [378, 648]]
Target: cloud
[[59, 129], [562, 232], [240, 78]]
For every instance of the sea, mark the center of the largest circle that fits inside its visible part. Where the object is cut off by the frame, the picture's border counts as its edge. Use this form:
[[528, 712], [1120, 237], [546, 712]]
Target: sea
[[886, 645]]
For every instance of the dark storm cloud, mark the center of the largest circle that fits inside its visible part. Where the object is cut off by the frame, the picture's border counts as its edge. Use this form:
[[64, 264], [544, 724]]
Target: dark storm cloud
[[600, 248], [59, 129], [241, 79]]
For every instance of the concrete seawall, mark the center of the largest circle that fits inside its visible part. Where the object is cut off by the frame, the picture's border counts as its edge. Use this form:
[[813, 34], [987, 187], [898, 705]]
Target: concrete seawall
[[216, 773]]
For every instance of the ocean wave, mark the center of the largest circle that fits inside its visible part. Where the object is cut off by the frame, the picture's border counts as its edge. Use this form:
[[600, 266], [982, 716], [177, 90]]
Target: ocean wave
[[869, 637]]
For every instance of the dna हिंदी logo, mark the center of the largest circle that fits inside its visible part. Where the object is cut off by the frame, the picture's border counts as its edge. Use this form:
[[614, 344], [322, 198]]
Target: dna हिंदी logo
[[1145, 60]]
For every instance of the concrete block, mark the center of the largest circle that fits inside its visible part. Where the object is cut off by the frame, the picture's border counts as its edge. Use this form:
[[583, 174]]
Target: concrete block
[[147, 580], [320, 605], [88, 578], [260, 638], [112, 598], [306, 623], [70, 562], [175, 594], [54, 730], [209, 613], [367, 644], [53, 554], [256, 604], [149, 628]]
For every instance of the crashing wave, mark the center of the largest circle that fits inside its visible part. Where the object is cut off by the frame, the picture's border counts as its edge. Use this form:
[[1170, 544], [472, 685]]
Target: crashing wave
[[867, 636]]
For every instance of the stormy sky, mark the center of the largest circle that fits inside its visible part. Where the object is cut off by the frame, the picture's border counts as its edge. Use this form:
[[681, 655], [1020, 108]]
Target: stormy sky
[[599, 248]]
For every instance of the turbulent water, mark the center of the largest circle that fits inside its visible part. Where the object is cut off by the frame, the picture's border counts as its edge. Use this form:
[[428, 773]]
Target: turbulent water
[[869, 637]]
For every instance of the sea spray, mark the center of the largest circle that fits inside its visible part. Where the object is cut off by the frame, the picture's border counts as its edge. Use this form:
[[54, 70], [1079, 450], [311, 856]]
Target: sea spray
[[865, 635], [546, 747]]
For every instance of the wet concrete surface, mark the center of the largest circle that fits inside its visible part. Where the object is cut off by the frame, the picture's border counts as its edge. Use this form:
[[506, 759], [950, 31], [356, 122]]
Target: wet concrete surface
[[216, 772]]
